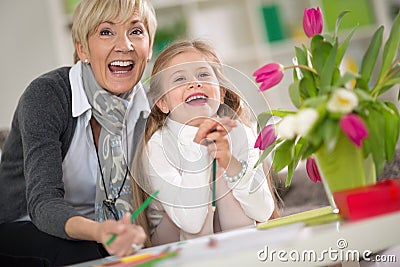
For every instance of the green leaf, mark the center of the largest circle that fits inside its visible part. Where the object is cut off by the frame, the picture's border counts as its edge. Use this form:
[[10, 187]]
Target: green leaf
[[307, 88], [375, 143], [262, 120], [362, 84], [347, 77], [387, 87], [330, 132], [265, 153], [320, 51], [283, 155], [301, 56], [362, 95], [392, 127], [369, 59], [289, 175], [315, 102], [395, 72], [309, 150], [300, 147], [338, 20], [281, 113], [294, 93], [329, 38], [336, 75], [391, 46], [343, 47], [315, 136], [328, 69], [394, 79]]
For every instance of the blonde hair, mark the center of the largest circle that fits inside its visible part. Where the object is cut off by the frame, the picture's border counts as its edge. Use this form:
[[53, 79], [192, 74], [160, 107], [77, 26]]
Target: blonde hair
[[89, 14]]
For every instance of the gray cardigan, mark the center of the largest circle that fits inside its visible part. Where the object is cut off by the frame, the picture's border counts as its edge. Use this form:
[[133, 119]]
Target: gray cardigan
[[31, 165]]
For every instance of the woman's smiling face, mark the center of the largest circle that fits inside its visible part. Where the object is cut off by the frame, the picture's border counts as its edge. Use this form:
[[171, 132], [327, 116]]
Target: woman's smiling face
[[191, 88], [118, 53]]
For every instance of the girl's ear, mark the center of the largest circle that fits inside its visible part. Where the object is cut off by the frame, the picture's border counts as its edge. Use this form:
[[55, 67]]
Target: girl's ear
[[83, 56], [222, 95], [162, 105]]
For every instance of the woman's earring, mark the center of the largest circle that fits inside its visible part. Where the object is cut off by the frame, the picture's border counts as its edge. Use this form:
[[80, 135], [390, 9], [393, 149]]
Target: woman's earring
[[86, 61]]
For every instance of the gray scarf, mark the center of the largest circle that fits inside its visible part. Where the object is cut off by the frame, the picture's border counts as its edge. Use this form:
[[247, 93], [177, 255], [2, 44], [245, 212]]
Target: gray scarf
[[113, 190]]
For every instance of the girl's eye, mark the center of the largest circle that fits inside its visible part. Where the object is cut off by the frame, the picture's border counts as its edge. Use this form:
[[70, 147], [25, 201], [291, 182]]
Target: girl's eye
[[105, 32], [179, 79], [204, 75]]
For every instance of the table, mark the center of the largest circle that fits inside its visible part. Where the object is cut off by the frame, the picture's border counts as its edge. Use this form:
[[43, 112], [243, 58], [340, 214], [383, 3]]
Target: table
[[290, 245]]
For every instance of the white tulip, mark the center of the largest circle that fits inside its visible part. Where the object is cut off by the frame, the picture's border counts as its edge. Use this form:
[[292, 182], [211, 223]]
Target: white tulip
[[286, 128], [305, 119], [342, 100]]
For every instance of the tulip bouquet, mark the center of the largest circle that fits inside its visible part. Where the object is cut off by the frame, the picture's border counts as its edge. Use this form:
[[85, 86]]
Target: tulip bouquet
[[332, 102]]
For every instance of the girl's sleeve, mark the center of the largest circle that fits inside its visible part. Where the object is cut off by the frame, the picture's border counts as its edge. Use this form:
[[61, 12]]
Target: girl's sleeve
[[252, 190], [183, 196]]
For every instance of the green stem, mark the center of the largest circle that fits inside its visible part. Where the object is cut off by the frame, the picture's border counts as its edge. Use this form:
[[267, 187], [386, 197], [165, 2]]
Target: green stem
[[214, 174], [384, 78], [301, 67]]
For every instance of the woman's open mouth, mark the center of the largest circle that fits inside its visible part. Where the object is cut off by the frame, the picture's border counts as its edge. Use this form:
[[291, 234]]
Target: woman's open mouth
[[121, 66]]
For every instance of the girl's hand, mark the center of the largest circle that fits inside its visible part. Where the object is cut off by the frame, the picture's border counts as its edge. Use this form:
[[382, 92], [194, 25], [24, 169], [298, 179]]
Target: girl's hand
[[128, 237], [213, 133], [207, 125]]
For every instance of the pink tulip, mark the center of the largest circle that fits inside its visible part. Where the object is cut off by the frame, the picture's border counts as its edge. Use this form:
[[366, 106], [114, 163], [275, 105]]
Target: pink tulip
[[266, 137], [270, 75], [312, 170], [354, 128], [313, 21]]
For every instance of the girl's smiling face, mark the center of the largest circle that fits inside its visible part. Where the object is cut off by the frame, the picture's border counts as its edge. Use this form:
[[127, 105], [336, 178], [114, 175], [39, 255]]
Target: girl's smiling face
[[190, 87], [118, 53]]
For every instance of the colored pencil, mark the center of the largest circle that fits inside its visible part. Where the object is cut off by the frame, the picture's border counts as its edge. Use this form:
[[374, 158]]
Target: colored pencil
[[135, 214], [132, 258]]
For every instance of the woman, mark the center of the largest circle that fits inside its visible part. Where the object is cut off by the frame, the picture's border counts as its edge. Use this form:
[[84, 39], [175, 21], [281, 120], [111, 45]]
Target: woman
[[64, 166]]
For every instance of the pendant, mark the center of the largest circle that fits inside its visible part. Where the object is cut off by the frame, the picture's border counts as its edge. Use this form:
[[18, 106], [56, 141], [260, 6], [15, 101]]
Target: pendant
[[110, 210]]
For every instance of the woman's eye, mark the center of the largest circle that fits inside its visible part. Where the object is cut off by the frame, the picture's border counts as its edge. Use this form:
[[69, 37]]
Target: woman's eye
[[137, 31], [105, 32]]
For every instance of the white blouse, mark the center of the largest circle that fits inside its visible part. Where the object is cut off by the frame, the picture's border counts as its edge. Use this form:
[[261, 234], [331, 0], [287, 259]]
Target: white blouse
[[180, 169]]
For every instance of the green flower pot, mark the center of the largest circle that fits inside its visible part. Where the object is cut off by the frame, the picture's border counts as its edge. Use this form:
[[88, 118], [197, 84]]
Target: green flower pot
[[344, 168]]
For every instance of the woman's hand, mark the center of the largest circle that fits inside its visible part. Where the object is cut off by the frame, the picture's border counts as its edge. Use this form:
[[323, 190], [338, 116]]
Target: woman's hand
[[127, 234], [129, 238]]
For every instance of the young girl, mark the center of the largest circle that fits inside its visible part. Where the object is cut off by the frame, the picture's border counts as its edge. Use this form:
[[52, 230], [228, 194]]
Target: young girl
[[195, 119]]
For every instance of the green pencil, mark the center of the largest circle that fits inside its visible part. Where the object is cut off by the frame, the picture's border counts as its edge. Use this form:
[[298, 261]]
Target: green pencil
[[214, 174], [135, 214]]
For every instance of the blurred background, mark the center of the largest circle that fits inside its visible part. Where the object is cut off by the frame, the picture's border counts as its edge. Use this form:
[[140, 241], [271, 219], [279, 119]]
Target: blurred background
[[246, 33]]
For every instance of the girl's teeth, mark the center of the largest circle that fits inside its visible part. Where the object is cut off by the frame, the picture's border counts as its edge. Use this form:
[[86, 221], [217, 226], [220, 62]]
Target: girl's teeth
[[195, 97]]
